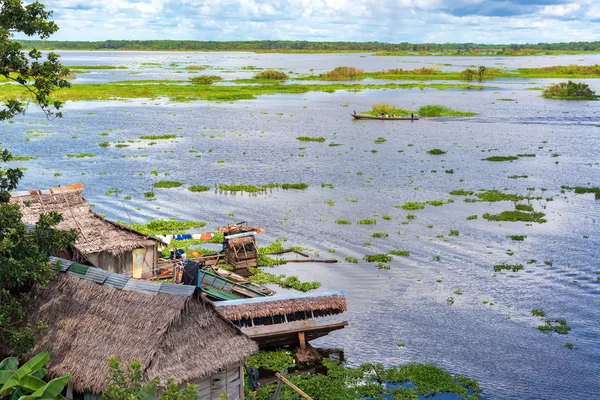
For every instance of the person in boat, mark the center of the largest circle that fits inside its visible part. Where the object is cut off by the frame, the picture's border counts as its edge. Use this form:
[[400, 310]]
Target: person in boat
[[353, 112], [382, 115], [412, 115]]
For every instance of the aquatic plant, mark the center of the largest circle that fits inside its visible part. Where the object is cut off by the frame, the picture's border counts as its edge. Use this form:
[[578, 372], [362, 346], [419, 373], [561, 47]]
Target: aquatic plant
[[104, 144], [272, 360], [81, 155], [508, 267], [513, 216], [411, 216], [343, 73], [379, 234], [199, 188], [454, 232], [471, 217], [166, 227], [379, 140], [366, 221], [403, 253], [293, 282], [438, 110], [494, 195], [583, 190], [538, 312], [352, 260], [461, 192], [343, 221], [310, 139], [167, 184], [519, 238], [412, 205], [159, 137], [558, 325], [149, 194], [377, 258], [271, 74], [570, 91], [436, 152], [500, 158], [386, 217]]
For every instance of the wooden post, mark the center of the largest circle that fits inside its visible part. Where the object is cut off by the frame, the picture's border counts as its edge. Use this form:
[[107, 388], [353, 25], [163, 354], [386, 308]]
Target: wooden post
[[294, 387], [302, 340]]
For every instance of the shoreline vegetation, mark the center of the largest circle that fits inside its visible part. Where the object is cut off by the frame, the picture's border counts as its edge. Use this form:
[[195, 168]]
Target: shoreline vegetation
[[430, 110], [296, 46]]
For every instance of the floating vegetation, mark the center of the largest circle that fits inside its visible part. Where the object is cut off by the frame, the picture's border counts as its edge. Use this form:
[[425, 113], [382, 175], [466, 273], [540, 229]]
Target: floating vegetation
[[454, 232], [584, 190], [513, 216], [311, 139], [293, 282], [379, 234], [149, 195], [526, 155], [377, 258], [403, 253], [494, 195], [508, 267], [104, 144], [199, 188], [436, 152], [343, 221], [167, 184], [386, 217], [558, 325], [381, 265], [379, 140], [81, 155], [234, 187], [438, 110], [517, 176], [329, 203], [412, 205], [327, 185], [538, 312], [524, 207], [271, 74], [159, 137], [166, 227], [501, 158], [461, 192], [411, 216], [471, 217], [352, 260], [205, 79], [366, 221], [518, 238]]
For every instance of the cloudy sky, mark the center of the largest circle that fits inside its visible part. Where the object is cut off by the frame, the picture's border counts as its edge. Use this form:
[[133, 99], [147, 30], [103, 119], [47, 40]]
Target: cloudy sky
[[417, 21]]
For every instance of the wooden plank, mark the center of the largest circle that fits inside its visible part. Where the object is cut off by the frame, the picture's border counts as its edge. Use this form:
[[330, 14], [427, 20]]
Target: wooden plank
[[279, 328], [294, 387]]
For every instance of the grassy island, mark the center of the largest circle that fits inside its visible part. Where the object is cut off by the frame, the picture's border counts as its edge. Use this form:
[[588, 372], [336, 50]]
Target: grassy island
[[430, 110], [570, 91]]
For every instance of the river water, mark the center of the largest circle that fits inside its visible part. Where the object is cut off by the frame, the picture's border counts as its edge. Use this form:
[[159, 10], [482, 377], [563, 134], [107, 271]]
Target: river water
[[454, 311]]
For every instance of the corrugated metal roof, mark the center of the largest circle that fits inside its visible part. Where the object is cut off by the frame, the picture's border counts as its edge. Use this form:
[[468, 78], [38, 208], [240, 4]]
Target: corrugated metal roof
[[143, 286], [116, 281], [96, 275], [78, 269], [65, 263], [178, 290]]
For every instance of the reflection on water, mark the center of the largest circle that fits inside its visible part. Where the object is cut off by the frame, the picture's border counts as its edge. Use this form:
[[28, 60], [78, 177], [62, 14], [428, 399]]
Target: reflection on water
[[488, 333]]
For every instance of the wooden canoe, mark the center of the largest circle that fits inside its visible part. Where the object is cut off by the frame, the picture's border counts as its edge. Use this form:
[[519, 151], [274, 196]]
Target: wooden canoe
[[363, 116]]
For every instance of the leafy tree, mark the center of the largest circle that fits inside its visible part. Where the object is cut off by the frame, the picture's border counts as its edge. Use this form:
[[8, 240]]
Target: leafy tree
[[24, 250], [570, 90], [127, 383], [25, 382]]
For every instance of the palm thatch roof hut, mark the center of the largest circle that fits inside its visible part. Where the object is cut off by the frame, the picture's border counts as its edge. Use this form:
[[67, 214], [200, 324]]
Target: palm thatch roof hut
[[285, 320], [102, 243], [93, 314]]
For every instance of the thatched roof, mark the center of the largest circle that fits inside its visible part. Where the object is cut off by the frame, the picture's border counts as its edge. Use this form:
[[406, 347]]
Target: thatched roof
[[96, 234], [234, 229], [180, 337], [326, 303]]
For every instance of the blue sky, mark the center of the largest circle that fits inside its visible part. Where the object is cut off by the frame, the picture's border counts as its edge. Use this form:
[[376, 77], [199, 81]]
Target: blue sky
[[417, 21]]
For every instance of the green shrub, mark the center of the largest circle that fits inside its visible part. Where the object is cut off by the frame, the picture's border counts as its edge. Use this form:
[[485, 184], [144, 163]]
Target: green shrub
[[271, 74], [167, 184], [343, 73], [377, 258], [570, 91], [199, 188]]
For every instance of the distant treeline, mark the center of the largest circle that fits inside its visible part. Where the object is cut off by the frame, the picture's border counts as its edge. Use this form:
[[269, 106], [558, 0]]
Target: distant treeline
[[305, 46]]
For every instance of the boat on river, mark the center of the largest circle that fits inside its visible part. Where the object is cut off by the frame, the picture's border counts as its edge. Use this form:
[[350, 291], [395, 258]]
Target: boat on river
[[365, 116]]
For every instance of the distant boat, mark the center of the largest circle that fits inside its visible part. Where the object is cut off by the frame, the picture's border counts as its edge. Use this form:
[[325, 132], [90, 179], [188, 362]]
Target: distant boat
[[365, 116]]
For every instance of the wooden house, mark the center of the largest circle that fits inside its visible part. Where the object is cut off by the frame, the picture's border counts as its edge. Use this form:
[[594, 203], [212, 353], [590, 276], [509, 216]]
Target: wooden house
[[240, 247], [102, 243], [285, 320], [173, 331]]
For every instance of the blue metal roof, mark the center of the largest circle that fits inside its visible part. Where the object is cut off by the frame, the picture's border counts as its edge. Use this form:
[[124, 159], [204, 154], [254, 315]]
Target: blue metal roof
[[122, 282], [279, 298]]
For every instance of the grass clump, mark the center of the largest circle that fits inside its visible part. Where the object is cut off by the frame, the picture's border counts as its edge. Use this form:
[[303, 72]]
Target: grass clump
[[199, 188], [271, 74], [80, 155], [343, 73], [570, 91], [524, 207], [234, 187], [386, 108], [159, 137], [343, 221], [584, 190], [516, 215], [491, 196], [311, 139], [377, 258], [471, 217], [366, 221], [501, 158], [454, 232], [167, 184], [379, 235], [508, 267], [436, 152], [437, 110], [403, 253]]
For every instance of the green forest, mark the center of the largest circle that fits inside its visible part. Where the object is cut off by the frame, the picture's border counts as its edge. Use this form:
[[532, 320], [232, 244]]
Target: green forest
[[306, 46]]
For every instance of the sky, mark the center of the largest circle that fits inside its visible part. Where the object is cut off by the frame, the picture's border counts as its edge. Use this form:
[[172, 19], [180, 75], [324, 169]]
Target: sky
[[415, 21]]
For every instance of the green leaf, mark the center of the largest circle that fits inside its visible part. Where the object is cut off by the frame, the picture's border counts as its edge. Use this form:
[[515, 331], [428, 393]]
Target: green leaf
[[49, 391], [10, 363], [34, 364], [148, 391]]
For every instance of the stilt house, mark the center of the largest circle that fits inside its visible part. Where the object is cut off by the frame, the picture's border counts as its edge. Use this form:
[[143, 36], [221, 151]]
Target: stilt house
[[240, 246], [175, 333], [102, 243]]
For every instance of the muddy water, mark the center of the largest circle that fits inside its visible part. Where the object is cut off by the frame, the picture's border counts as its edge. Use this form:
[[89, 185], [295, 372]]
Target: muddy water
[[417, 300]]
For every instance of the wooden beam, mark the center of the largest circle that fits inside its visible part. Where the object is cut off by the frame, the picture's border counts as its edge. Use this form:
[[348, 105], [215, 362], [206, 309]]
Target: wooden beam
[[302, 340], [294, 387]]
